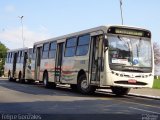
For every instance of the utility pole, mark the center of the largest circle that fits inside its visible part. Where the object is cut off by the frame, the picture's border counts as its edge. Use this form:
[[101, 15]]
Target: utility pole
[[121, 10], [21, 18]]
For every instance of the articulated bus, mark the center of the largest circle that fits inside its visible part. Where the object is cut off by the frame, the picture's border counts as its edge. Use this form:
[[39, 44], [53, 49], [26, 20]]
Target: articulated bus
[[17, 64], [115, 57]]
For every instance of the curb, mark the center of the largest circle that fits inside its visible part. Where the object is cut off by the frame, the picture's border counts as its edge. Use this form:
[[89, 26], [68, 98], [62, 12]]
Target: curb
[[3, 77], [135, 95], [144, 96]]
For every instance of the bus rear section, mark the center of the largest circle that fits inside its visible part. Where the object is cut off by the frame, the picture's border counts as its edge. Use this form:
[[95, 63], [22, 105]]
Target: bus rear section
[[16, 64]]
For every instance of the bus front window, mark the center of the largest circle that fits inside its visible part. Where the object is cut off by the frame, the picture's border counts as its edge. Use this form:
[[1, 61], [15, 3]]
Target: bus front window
[[130, 52]]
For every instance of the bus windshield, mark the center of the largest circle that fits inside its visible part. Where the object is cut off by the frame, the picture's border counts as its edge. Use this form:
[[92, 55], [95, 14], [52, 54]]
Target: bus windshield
[[130, 53]]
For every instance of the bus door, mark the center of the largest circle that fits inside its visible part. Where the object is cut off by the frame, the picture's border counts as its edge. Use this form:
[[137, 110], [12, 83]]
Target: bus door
[[59, 58], [96, 59], [38, 62], [14, 64], [24, 63]]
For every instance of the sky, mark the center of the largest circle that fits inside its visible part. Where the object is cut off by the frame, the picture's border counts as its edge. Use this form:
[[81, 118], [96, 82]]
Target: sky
[[44, 19]]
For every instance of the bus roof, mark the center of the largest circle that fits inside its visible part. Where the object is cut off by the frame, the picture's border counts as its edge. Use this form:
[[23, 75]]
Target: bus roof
[[18, 49], [103, 28]]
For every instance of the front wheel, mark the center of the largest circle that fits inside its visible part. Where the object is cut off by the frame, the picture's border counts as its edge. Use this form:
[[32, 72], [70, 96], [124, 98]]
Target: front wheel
[[120, 91], [84, 87]]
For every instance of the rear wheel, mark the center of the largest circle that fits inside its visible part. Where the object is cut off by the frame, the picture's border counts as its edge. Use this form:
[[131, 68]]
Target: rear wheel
[[20, 79], [83, 86], [9, 76], [46, 83], [120, 91]]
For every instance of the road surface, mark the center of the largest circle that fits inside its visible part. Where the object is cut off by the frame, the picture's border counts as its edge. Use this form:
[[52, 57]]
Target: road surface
[[60, 103]]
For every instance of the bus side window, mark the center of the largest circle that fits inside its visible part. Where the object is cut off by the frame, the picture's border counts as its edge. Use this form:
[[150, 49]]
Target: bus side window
[[30, 53], [45, 51], [25, 55], [70, 47], [9, 59], [8, 56], [83, 45], [11, 55], [34, 53], [19, 56], [22, 56], [52, 50]]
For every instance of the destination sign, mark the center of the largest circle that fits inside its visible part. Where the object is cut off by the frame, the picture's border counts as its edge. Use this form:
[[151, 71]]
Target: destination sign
[[128, 31]]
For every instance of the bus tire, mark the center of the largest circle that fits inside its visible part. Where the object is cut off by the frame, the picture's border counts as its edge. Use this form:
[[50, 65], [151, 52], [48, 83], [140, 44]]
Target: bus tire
[[83, 87], [120, 91], [20, 79], [46, 83], [45, 80], [9, 76]]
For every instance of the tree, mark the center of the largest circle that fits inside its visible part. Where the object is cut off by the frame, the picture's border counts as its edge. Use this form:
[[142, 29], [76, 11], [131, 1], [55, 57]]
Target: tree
[[3, 53], [156, 49]]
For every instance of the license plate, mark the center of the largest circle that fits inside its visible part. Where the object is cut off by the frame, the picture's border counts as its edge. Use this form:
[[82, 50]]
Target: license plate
[[132, 81]]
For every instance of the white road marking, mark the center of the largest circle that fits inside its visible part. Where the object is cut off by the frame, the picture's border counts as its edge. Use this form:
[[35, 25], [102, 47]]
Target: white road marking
[[144, 110]]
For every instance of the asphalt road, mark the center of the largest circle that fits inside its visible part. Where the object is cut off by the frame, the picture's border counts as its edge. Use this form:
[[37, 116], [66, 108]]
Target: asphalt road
[[64, 103]]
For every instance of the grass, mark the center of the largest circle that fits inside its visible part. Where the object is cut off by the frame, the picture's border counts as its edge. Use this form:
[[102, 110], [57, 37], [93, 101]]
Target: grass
[[156, 84]]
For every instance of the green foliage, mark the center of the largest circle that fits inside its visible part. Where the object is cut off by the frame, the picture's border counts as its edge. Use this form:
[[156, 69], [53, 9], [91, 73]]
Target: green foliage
[[3, 53], [156, 84]]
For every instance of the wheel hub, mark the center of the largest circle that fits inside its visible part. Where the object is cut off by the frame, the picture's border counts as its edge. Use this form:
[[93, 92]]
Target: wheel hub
[[84, 84], [45, 81]]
